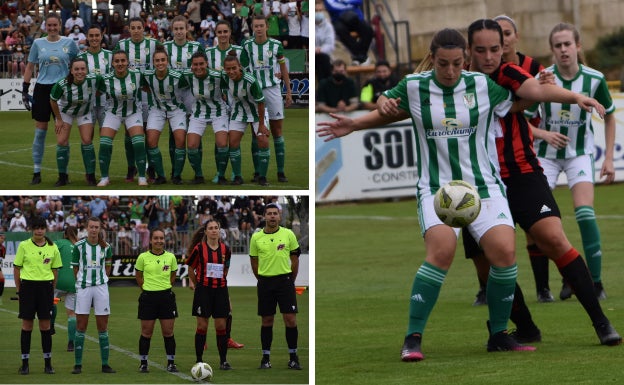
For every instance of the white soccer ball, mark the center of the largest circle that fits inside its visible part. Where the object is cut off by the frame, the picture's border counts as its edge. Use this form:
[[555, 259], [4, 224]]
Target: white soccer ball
[[457, 203], [201, 371]]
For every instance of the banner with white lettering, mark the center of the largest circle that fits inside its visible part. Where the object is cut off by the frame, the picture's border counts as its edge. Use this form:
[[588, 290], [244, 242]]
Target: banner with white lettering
[[382, 163]]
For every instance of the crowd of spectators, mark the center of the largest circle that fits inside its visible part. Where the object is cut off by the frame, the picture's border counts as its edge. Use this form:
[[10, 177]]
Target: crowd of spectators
[[127, 220], [21, 21]]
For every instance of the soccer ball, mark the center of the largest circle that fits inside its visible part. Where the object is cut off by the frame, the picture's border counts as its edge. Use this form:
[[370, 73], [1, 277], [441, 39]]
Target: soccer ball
[[457, 203], [201, 371]]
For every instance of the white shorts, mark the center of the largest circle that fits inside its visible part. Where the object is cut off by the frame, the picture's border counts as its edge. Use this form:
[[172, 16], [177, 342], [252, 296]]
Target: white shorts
[[187, 98], [70, 298], [494, 211], [113, 121], [157, 119], [80, 120], [96, 295], [198, 126], [242, 126], [97, 114], [274, 102], [577, 169]]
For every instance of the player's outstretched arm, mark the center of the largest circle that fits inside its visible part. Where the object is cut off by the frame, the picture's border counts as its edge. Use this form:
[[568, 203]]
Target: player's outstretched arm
[[344, 125]]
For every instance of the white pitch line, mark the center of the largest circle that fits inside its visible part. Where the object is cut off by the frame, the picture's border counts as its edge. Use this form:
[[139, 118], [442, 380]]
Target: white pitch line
[[151, 364]]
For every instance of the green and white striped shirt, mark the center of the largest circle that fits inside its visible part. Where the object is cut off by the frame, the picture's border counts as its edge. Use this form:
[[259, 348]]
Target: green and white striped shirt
[[165, 91], [454, 131], [262, 60], [99, 64], [180, 56], [76, 99], [139, 54], [243, 97], [217, 56], [91, 261], [123, 94], [208, 103], [570, 119]]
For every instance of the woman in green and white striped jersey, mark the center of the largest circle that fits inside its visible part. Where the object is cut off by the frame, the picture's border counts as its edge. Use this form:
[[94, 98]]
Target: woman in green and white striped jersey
[[246, 102], [71, 99], [122, 90], [165, 105]]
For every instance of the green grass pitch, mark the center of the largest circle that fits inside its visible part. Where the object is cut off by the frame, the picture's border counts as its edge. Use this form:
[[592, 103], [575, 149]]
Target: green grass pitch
[[366, 258], [124, 331], [17, 166]]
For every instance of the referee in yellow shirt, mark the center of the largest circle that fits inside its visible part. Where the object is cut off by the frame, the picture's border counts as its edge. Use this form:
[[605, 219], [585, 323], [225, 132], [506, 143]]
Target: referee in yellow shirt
[[156, 271], [35, 270], [274, 253]]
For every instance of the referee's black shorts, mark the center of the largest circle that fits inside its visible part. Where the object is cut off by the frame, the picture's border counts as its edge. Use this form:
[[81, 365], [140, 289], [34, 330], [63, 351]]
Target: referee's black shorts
[[36, 297], [41, 109], [277, 290], [157, 305], [211, 302]]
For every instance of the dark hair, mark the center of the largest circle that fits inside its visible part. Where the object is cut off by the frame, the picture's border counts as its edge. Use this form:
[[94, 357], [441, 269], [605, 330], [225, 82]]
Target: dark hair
[[199, 54], [231, 56], [481, 24], [271, 206], [136, 18], [119, 52], [70, 76], [447, 38], [260, 17], [54, 15], [71, 233], [338, 63], [94, 26], [160, 49], [181, 18], [382, 63], [38, 222]]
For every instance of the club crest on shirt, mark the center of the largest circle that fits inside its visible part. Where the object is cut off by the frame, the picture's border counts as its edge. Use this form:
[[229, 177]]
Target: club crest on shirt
[[281, 246], [469, 100], [146, 50], [47, 261], [65, 49], [166, 268]]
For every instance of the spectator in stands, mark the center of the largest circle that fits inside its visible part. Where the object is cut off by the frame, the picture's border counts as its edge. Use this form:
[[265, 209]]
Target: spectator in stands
[[9, 10], [232, 220], [124, 241], [102, 23], [120, 6], [152, 207], [162, 22], [18, 64], [6, 56], [383, 80], [72, 219], [78, 37], [18, 222], [351, 28], [72, 22], [24, 22], [225, 9], [337, 93], [67, 11], [42, 207], [207, 29], [182, 7], [5, 25], [85, 12], [305, 24], [193, 13], [136, 210], [246, 221], [123, 220], [181, 220], [325, 39], [102, 6], [97, 207], [116, 28], [135, 9], [292, 13]]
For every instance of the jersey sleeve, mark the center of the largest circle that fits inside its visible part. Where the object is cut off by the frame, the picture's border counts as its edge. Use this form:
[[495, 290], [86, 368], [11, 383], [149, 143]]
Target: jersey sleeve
[[19, 256], [500, 98], [244, 59], [399, 91], [603, 96], [174, 263], [294, 244], [228, 256], [139, 265], [33, 55], [109, 254], [75, 257], [191, 261], [57, 91], [256, 92]]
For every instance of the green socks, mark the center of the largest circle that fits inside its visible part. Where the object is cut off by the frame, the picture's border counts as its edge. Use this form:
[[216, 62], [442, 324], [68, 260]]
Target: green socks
[[590, 235], [78, 347], [195, 161], [129, 149], [221, 158], [500, 293], [62, 158], [156, 162], [88, 157], [138, 147], [235, 160], [263, 161], [105, 153], [280, 153], [180, 158], [104, 346], [425, 291], [71, 328]]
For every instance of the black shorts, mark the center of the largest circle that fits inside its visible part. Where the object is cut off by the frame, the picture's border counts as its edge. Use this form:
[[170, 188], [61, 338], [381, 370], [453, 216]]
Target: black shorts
[[36, 297], [211, 302], [530, 199], [157, 305], [41, 109], [471, 247], [276, 290]]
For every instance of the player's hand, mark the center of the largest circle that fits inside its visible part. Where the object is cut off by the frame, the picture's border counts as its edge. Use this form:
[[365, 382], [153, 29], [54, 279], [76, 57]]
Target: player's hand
[[288, 101], [388, 106], [556, 139], [342, 126], [589, 104], [263, 130], [26, 99], [58, 125], [546, 77], [607, 171]]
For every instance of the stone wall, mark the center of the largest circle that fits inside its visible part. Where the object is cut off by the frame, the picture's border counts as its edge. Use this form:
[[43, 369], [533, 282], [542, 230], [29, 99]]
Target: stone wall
[[535, 19]]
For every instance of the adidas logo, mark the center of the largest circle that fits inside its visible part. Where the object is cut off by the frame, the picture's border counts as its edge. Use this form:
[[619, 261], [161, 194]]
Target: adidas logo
[[581, 173], [417, 298], [545, 209], [508, 299], [501, 216]]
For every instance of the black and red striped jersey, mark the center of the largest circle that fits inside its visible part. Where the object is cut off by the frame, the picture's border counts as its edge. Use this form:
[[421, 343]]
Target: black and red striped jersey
[[210, 265], [515, 148]]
